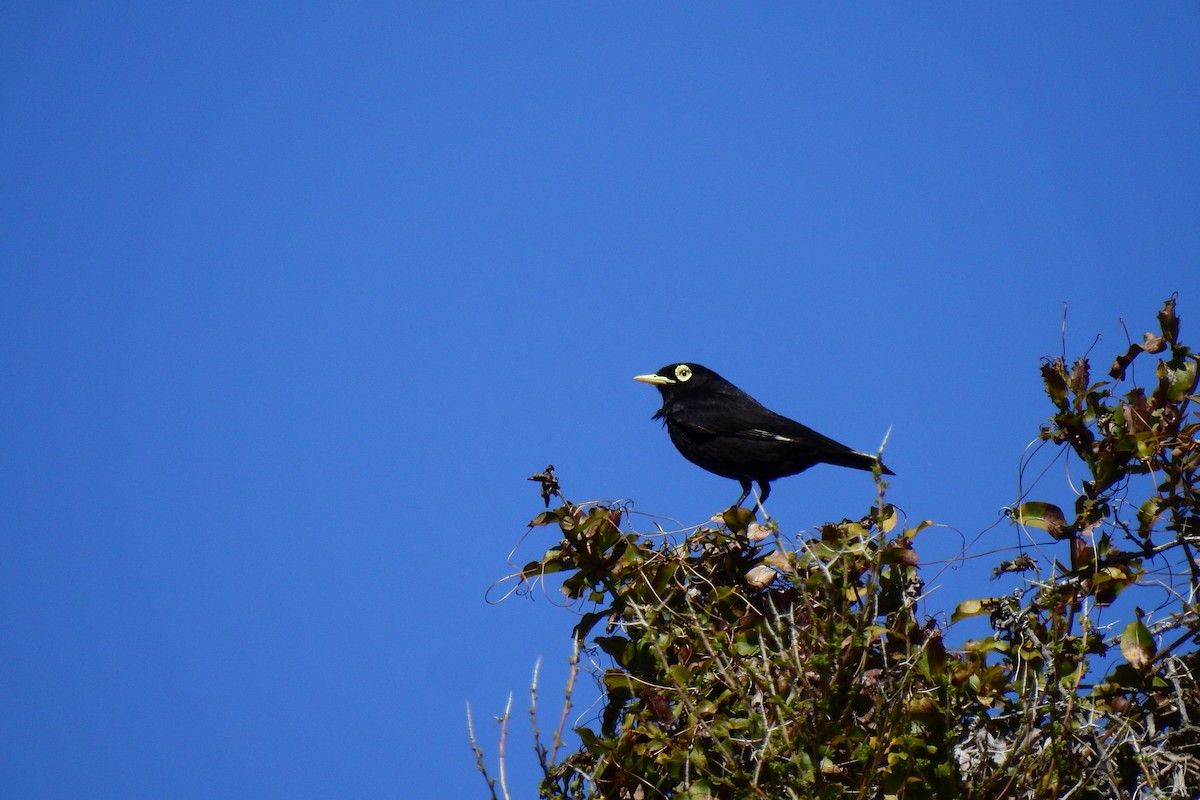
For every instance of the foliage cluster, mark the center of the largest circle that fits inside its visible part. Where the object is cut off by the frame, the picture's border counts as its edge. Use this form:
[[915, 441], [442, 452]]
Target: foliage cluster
[[746, 664]]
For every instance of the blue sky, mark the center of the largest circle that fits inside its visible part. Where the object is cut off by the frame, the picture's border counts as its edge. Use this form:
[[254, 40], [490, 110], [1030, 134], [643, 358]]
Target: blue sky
[[295, 298]]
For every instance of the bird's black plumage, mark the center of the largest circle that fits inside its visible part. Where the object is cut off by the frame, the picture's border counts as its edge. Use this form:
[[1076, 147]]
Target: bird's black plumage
[[720, 428]]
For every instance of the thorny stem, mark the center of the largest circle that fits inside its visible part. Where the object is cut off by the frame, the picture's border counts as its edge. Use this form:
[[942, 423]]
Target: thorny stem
[[501, 749], [568, 694], [479, 763]]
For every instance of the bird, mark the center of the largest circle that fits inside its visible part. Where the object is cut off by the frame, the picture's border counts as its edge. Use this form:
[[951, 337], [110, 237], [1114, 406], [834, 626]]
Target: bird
[[720, 428]]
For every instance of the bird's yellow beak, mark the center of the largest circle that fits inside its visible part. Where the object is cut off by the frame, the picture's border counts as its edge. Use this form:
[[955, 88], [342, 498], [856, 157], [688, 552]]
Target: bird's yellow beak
[[657, 380]]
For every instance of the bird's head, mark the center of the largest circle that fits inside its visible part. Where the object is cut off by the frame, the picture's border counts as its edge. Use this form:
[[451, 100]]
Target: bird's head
[[680, 380]]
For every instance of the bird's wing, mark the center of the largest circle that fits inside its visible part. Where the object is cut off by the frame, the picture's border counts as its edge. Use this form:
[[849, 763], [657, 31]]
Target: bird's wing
[[755, 422]]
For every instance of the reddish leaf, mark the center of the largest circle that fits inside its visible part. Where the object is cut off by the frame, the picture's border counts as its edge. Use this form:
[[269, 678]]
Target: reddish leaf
[[1082, 553], [1080, 376], [1168, 321]]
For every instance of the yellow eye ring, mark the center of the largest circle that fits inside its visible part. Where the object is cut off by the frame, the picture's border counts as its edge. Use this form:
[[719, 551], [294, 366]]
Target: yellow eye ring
[[683, 372]]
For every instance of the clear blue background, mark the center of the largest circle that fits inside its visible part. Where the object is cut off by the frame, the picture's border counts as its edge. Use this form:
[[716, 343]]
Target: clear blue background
[[295, 297]]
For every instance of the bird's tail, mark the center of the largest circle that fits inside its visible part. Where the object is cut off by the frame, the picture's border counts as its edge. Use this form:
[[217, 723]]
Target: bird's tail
[[856, 460]]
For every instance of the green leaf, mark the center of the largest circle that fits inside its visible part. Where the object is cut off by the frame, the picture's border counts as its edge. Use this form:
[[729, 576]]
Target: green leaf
[[588, 621], [632, 555], [1148, 515], [922, 525], [618, 679], [973, 608], [1053, 375], [551, 562], [1046, 516], [681, 675], [887, 518], [1124, 675], [746, 648], [933, 659], [1180, 381], [615, 646], [586, 736], [663, 575], [544, 518], [1137, 645], [737, 519]]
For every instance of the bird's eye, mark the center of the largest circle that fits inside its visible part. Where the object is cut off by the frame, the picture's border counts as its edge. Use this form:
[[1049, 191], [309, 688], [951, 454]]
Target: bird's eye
[[683, 372]]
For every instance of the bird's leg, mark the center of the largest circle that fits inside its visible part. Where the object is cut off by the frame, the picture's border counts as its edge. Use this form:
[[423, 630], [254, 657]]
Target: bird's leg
[[765, 487], [745, 493]]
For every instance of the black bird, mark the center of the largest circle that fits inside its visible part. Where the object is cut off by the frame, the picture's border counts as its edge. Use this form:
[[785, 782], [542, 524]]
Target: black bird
[[720, 428]]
